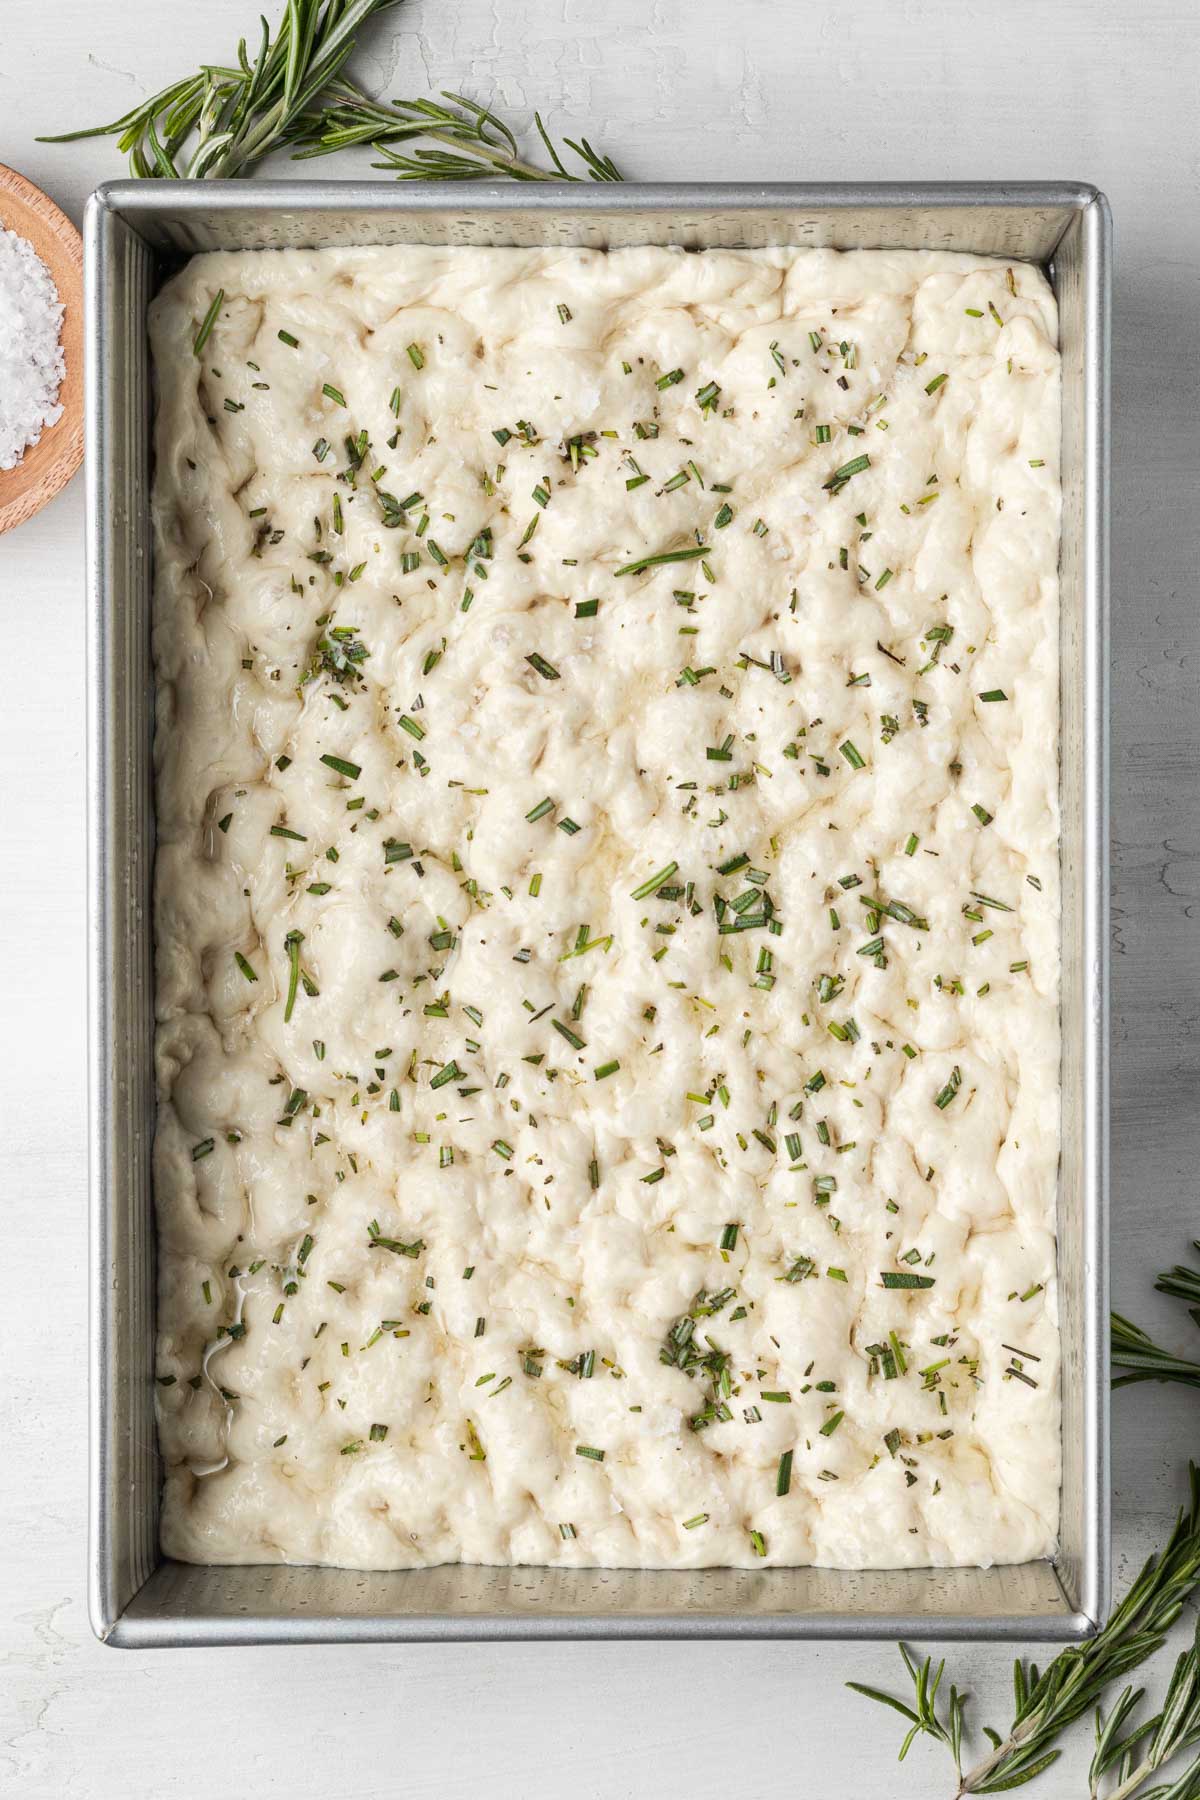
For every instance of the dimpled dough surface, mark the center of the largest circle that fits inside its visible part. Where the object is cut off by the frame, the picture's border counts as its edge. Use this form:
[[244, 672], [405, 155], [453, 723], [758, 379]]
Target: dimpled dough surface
[[787, 1119]]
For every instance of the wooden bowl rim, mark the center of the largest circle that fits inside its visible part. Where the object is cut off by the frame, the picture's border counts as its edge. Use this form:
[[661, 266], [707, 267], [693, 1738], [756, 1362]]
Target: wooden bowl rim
[[33, 215]]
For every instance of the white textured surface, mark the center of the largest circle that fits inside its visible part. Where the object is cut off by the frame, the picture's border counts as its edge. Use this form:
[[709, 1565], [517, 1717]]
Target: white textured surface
[[679, 91], [919, 1084]]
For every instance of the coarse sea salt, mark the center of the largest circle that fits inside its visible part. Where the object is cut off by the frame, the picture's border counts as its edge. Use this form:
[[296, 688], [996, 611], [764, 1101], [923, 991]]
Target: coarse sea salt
[[31, 356]]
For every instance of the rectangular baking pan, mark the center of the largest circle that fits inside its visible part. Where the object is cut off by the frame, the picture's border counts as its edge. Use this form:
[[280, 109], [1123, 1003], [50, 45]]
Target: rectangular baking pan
[[136, 233]]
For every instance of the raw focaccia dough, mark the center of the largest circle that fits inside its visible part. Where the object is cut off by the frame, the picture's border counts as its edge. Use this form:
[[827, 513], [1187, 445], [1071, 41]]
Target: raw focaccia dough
[[419, 1256]]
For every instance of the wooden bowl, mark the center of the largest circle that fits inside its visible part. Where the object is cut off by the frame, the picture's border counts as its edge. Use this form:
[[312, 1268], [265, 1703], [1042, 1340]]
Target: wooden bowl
[[45, 469]]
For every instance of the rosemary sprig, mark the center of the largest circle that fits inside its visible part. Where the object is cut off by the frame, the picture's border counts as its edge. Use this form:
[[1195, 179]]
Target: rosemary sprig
[[223, 120], [1140, 1359], [1172, 1730], [1183, 1283], [923, 1712], [471, 140], [1134, 1352], [1050, 1700], [237, 115]]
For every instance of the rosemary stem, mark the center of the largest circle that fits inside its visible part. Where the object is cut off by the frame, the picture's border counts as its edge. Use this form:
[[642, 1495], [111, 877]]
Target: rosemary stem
[[1133, 1782], [971, 1782], [254, 145], [483, 152]]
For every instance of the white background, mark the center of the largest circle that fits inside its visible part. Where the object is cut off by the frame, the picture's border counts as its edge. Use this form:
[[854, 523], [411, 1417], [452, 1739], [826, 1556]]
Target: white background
[[1098, 90]]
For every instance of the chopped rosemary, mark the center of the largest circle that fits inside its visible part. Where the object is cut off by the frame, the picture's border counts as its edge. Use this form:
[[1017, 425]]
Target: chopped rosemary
[[208, 321], [341, 766], [663, 556], [654, 882]]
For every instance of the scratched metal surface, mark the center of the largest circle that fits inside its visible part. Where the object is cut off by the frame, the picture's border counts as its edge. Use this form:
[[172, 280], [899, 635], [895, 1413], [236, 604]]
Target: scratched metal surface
[[1082, 88]]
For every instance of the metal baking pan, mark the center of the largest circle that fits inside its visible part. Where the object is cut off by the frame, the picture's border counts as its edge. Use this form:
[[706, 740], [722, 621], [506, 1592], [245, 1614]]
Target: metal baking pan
[[137, 232]]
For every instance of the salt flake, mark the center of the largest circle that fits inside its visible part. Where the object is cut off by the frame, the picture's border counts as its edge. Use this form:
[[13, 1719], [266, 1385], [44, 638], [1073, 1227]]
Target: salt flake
[[31, 357]]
